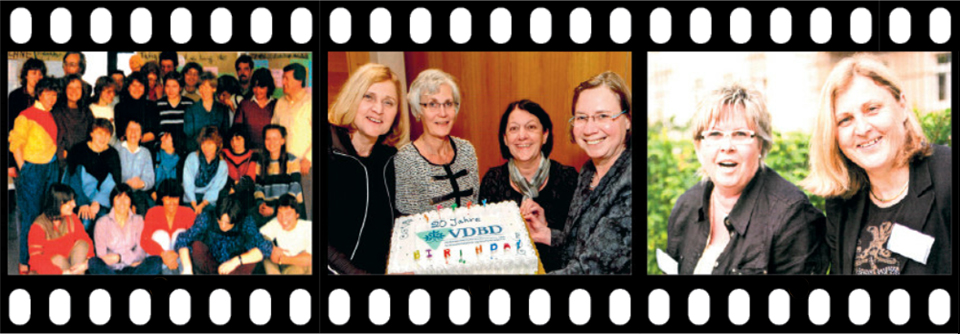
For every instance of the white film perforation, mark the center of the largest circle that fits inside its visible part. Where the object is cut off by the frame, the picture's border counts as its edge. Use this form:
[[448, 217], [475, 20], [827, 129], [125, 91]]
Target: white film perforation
[[741, 27], [818, 306], [140, 310], [221, 25], [621, 25], [620, 307], [59, 310], [698, 306], [260, 308], [738, 307], [301, 25], [461, 23], [21, 25], [301, 307], [781, 28], [660, 21], [899, 306], [861, 25], [419, 307], [539, 307], [181, 25], [541, 25], [499, 307], [421, 25], [700, 25], [580, 25], [141, 25], [941, 25], [459, 310], [261, 25], [658, 307], [580, 307], [858, 306], [941, 309], [821, 25], [180, 309], [60, 25], [339, 28], [378, 306], [100, 310], [501, 25], [19, 315], [778, 307], [339, 306], [899, 25], [380, 25], [220, 307], [101, 25]]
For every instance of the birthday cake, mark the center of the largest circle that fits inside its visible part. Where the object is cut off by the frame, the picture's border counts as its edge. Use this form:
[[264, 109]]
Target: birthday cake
[[489, 239]]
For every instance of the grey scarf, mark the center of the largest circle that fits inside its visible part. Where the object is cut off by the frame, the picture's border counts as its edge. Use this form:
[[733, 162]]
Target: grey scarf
[[530, 189]]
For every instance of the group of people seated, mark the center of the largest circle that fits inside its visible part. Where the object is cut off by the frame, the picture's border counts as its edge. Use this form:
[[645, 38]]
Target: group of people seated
[[161, 181], [581, 222]]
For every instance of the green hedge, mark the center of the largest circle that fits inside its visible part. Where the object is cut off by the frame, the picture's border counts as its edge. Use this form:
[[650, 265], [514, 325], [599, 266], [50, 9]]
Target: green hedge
[[672, 165]]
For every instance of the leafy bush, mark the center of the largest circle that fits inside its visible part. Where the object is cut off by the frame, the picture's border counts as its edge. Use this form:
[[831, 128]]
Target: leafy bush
[[672, 165]]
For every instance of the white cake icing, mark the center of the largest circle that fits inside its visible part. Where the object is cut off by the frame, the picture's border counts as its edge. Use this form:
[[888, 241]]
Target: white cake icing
[[498, 229]]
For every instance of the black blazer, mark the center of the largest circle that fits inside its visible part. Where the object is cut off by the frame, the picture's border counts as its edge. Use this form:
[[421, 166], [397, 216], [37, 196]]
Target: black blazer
[[773, 230], [925, 209]]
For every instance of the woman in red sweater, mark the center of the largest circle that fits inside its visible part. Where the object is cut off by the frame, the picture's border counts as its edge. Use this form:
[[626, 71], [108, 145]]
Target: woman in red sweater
[[58, 243], [164, 223]]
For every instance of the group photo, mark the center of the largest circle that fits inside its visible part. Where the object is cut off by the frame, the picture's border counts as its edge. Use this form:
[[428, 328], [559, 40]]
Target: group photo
[[489, 163], [799, 163], [159, 163]]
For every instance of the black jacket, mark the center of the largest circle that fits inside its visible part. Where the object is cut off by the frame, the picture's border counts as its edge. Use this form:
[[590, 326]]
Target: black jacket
[[925, 209], [360, 214], [773, 230], [597, 238]]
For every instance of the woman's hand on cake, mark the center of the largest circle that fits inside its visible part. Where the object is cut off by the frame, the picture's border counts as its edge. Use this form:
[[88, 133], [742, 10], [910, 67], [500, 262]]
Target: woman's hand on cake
[[536, 221]]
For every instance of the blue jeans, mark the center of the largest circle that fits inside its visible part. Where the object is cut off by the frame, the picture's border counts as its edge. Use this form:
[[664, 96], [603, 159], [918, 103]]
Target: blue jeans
[[150, 266], [32, 184]]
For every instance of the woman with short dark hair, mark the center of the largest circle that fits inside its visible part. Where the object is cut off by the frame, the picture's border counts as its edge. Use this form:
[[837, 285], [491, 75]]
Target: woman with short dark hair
[[225, 243], [526, 139], [117, 240], [163, 223]]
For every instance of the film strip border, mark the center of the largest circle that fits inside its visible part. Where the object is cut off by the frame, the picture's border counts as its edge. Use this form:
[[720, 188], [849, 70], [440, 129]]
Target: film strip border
[[678, 30], [674, 304], [167, 303]]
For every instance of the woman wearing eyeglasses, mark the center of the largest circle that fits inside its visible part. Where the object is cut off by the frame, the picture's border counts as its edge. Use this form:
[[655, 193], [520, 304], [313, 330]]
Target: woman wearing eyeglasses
[[743, 218], [597, 237], [436, 168]]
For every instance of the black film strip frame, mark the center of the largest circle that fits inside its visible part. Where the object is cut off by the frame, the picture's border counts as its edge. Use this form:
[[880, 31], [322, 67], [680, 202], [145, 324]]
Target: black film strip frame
[[160, 287], [638, 285]]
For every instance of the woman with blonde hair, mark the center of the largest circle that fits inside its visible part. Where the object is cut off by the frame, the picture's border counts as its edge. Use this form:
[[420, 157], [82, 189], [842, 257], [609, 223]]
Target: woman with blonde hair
[[888, 189], [368, 120], [743, 218]]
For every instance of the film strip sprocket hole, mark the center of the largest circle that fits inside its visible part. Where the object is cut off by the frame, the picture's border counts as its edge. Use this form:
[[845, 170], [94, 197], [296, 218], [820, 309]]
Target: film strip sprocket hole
[[488, 309], [212, 36]]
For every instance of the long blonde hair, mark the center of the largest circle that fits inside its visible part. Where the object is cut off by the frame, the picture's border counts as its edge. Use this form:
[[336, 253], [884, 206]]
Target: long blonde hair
[[344, 108], [832, 174]]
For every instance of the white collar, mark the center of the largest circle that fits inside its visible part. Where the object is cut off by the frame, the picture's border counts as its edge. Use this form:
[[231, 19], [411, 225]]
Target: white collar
[[126, 147]]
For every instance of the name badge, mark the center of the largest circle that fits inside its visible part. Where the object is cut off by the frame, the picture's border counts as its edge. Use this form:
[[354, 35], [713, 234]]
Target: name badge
[[666, 263], [910, 243]]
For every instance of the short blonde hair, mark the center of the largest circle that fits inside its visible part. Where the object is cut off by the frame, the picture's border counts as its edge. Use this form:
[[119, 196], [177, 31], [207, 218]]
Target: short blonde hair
[[832, 174], [344, 108], [429, 82], [718, 105]]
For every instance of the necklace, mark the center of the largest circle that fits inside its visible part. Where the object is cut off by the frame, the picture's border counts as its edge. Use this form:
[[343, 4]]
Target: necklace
[[891, 198]]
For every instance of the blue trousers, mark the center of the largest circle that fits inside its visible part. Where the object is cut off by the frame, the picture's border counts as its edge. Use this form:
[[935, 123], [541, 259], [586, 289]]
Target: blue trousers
[[150, 266], [32, 185]]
